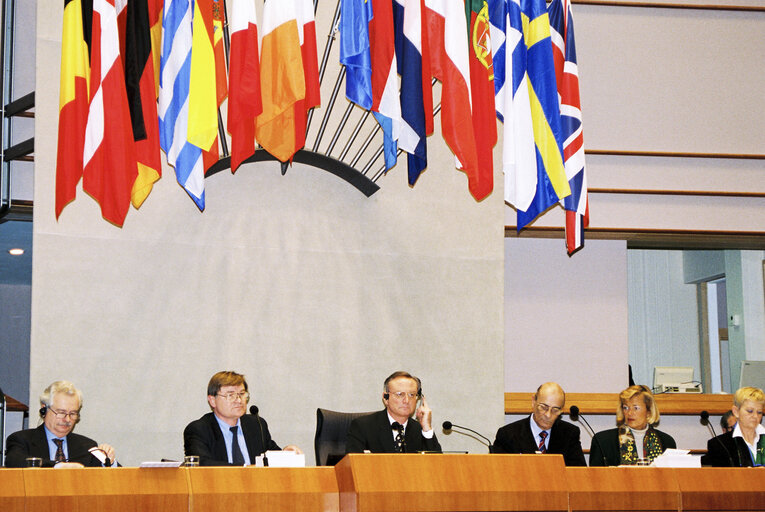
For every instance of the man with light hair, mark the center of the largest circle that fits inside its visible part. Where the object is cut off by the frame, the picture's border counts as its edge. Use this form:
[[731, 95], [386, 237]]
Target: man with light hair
[[543, 431], [53, 441]]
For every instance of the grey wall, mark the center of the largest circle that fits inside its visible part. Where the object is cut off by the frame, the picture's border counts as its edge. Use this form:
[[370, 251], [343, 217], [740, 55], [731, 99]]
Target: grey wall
[[312, 290]]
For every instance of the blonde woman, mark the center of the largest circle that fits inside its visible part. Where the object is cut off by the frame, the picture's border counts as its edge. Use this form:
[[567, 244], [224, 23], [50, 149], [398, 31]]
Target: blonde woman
[[744, 446], [635, 438]]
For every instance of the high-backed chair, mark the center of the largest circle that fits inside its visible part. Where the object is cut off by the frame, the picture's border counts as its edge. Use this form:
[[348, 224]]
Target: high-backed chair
[[332, 434]]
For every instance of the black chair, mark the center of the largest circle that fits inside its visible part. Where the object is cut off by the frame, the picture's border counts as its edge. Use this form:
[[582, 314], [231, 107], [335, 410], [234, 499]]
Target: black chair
[[332, 434]]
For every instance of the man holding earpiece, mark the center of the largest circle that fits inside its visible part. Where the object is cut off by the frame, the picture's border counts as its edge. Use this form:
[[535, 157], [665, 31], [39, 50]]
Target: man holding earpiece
[[402, 427], [53, 441]]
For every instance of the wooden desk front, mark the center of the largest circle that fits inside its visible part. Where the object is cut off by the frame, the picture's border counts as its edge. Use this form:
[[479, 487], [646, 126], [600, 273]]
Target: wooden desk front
[[106, 490], [434, 482], [232, 489]]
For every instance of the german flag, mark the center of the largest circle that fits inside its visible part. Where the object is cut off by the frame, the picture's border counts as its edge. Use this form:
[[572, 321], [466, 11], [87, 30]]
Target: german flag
[[74, 98], [142, 98]]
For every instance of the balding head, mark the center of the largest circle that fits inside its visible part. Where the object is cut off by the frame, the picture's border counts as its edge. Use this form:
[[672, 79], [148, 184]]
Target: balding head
[[550, 389], [547, 404]]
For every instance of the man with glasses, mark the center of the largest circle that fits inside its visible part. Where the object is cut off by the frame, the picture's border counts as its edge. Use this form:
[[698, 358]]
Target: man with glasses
[[543, 431], [53, 441], [227, 436], [401, 427]]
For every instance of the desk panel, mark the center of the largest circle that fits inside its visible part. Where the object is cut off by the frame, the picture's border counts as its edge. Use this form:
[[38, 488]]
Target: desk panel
[[312, 489], [722, 488], [12, 489], [628, 488], [106, 490], [440, 483]]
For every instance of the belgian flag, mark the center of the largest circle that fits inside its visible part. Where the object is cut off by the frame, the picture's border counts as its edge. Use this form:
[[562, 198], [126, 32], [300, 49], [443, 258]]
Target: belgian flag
[[74, 98], [141, 87]]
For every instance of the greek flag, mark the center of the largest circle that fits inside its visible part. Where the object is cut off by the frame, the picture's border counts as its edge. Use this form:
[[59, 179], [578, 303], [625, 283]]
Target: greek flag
[[175, 74]]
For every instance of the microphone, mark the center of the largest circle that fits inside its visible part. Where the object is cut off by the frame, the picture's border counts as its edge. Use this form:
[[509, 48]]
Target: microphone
[[574, 414], [447, 425], [254, 412], [704, 415]]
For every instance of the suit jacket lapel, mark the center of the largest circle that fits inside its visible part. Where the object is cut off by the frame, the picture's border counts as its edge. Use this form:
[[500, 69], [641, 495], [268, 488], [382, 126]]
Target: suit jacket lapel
[[252, 441], [385, 433], [219, 445], [38, 446], [527, 441]]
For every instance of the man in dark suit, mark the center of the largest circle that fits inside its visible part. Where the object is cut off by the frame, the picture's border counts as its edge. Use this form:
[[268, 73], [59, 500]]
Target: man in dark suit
[[543, 431], [53, 441], [393, 430], [227, 436]]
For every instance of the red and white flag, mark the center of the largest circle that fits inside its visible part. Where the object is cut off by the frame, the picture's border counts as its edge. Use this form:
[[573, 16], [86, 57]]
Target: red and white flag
[[244, 102], [109, 154], [445, 20]]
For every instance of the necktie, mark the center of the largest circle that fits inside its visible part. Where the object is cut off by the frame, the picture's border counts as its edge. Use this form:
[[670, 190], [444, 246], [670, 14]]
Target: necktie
[[236, 452], [542, 437], [400, 444], [59, 450]]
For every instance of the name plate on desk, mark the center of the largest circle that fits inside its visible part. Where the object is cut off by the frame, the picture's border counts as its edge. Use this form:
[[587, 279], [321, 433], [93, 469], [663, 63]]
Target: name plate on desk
[[282, 459]]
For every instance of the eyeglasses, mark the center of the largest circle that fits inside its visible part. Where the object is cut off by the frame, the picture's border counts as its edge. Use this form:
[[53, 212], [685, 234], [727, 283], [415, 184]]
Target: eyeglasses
[[626, 408], [401, 394], [60, 415], [544, 408], [244, 396]]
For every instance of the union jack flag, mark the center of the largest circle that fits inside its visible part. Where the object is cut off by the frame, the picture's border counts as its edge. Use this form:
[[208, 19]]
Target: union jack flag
[[567, 75]]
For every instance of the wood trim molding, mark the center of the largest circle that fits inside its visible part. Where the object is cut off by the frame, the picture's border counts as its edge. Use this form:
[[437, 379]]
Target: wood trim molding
[[645, 238], [677, 154], [668, 5], [685, 404], [664, 192]]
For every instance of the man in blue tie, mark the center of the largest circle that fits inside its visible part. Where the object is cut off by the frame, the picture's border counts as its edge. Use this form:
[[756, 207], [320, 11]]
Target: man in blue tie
[[227, 436], [543, 431], [53, 441]]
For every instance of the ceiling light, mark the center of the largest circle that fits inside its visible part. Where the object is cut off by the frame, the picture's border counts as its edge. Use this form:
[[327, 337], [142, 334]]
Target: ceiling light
[[16, 252]]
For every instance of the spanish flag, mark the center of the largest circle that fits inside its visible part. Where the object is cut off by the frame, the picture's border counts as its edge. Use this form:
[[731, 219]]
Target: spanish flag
[[73, 99]]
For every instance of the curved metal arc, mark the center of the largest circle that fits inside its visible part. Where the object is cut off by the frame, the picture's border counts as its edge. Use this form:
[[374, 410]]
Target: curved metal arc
[[339, 169]]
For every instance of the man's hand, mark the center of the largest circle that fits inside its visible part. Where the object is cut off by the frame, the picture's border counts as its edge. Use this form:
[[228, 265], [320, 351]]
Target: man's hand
[[109, 451], [293, 448], [424, 415]]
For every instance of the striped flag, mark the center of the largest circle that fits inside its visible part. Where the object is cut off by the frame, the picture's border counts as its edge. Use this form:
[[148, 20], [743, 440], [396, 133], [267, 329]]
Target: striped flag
[[73, 100], [244, 102], [289, 76], [567, 74], [386, 105], [511, 86], [407, 25], [142, 98], [109, 153], [552, 185], [175, 75], [482, 92], [445, 20]]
